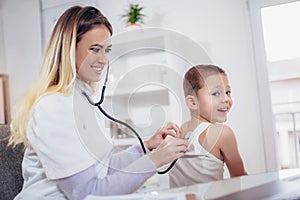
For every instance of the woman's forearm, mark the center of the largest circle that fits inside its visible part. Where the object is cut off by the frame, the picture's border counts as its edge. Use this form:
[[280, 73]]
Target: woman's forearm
[[123, 181], [122, 159]]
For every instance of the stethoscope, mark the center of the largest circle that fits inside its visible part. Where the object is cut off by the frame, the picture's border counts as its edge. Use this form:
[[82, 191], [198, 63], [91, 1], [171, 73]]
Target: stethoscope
[[98, 105]]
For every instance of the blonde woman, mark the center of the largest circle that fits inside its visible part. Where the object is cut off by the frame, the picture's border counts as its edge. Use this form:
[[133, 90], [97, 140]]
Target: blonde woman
[[68, 150]]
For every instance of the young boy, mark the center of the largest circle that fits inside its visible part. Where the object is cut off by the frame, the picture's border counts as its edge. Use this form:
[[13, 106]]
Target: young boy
[[208, 97]]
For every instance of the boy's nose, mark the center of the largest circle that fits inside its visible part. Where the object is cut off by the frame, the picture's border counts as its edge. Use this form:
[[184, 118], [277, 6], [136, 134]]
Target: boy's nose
[[226, 98]]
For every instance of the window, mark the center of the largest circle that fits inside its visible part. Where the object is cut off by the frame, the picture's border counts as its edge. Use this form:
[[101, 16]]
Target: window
[[282, 31], [282, 46]]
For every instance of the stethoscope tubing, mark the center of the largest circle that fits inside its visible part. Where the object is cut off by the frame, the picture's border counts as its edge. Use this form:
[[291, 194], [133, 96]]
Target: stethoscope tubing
[[98, 105]]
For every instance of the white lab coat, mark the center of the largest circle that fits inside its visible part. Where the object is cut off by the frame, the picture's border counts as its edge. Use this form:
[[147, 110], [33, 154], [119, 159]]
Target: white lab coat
[[66, 135]]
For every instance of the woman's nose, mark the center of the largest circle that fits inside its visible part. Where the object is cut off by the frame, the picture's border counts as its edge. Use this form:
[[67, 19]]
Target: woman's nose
[[102, 57]]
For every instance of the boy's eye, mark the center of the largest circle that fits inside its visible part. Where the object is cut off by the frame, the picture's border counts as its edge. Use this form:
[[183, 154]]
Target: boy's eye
[[216, 94], [228, 93], [95, 50]]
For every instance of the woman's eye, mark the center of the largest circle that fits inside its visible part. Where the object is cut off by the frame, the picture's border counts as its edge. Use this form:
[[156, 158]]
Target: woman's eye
[[95, 50], [108, 50]]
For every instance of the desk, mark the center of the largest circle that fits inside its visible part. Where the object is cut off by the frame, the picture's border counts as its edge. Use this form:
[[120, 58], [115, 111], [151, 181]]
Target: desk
[[269, 186]]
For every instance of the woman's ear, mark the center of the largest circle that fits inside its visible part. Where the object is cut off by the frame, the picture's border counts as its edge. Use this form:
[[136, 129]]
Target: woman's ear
[[191, 102]]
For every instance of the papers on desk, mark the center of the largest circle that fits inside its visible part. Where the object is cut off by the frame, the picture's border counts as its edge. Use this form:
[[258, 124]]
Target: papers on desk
[[146, 196], [288, 196], [291, 190]]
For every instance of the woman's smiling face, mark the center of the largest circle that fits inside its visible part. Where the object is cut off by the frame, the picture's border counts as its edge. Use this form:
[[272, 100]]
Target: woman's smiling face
[[92, 53]]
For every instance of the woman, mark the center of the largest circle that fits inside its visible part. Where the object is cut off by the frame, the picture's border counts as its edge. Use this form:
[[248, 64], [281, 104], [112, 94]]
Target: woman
[[68, 151]]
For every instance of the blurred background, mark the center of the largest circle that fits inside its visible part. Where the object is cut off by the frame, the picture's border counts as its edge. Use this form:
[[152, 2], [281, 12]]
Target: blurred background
[[257, 42]]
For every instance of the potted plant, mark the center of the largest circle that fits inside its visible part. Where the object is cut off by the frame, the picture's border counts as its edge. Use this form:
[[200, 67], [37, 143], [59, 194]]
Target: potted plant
[[134, 16]]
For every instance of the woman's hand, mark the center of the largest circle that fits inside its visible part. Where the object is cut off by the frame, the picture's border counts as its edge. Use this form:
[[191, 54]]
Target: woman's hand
[[171, 129], [169, 149]]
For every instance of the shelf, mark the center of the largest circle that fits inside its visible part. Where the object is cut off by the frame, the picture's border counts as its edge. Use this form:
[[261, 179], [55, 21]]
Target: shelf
[[126, 141], [147, 90]]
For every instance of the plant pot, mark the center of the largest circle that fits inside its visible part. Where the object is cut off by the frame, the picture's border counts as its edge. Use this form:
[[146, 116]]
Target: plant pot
[[132, 26]]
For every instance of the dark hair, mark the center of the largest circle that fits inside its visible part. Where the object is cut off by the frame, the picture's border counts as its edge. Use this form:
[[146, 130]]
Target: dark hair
[[194, 78], [88, 18], [82, 19], [68, 31]]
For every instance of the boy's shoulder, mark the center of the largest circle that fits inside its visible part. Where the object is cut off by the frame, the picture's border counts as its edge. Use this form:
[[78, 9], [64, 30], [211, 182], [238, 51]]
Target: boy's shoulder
[[224, 132], [184, 129], [184, 126], [222, 129]]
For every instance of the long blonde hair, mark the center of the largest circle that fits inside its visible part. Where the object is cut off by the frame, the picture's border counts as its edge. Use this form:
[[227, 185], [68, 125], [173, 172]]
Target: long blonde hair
[[58, 71]]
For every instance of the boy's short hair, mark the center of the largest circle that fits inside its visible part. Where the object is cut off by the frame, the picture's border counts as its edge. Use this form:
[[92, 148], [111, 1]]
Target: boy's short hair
[[194, 78]]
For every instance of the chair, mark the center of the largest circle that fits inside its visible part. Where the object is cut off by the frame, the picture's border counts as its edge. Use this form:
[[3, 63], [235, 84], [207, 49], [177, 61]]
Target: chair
[[11, 179]]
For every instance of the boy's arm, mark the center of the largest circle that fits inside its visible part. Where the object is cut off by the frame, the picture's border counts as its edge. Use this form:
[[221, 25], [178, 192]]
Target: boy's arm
[[229, 149]]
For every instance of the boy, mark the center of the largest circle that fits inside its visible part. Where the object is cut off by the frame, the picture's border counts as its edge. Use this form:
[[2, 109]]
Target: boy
[[208, 97]]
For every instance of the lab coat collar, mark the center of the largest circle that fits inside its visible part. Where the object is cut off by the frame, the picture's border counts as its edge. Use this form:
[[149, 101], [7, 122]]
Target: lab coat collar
[[83, 86]]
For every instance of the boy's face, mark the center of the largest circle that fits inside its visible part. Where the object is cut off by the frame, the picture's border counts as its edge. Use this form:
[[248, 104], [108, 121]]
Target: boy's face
[[214, 99]]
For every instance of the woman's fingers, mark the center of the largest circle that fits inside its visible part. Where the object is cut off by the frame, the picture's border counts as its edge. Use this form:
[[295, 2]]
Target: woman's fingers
[[173, 127], [175, 141], [170, 130], [170, 149]]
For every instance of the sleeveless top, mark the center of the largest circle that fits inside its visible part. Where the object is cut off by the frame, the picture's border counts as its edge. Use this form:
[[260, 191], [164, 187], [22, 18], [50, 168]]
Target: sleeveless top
[[197, 165]]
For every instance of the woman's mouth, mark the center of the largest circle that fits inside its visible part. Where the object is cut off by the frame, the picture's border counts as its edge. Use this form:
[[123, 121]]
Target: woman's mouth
[[98, 69]]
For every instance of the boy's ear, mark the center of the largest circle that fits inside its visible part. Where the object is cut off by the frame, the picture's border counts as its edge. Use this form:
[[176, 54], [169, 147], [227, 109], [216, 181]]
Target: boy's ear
[[191, 102]]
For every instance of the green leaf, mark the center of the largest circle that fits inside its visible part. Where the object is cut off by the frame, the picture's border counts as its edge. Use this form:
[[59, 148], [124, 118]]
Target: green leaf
[[134, 15]]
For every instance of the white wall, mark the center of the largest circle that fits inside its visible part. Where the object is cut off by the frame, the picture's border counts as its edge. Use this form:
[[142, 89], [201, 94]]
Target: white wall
[[22, 42], [2, 58], [221, 27]]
